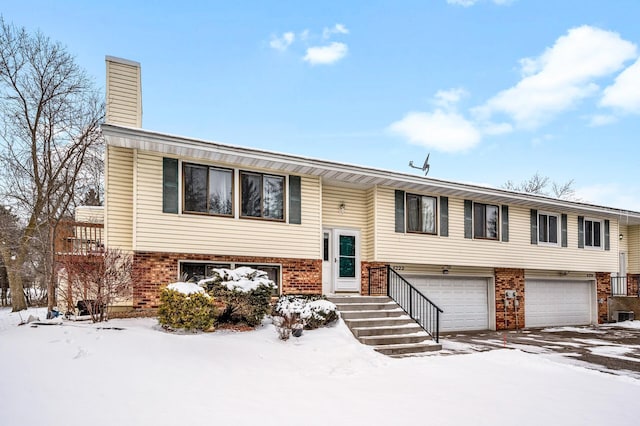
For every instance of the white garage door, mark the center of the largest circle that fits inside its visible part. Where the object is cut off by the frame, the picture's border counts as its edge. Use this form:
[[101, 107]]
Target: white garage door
[[549, 303], [463, 300]]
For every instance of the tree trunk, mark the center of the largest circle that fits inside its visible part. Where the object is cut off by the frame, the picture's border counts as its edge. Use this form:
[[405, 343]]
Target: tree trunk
[[18, 301]]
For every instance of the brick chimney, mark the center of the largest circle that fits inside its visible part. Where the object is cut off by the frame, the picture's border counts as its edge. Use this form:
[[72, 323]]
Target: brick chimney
[[124, 92]]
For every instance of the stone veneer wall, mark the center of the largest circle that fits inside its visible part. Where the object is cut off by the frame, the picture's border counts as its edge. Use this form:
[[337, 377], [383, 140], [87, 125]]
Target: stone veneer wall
[[509, 279], [154, 270]]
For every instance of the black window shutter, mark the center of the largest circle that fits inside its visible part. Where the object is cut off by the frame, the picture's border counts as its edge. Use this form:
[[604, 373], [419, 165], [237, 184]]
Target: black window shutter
[[505, 223], [580, 231], [607, 244], [534, 226], [169, 185], [468, 219], [295, 200], [444, 216], [563, 230], [399, 211]]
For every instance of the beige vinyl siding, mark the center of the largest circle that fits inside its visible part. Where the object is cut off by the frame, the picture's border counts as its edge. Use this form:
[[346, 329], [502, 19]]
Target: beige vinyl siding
[[457, 250], [92, 214], [191, 233], [356, 213], [124, 97], [423, 269], [370, 247], [119, 198], [633, 244]]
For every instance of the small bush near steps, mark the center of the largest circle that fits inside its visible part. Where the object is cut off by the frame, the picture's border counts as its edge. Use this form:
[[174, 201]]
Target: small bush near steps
[[293, 313], [186, 306], [243, 295]]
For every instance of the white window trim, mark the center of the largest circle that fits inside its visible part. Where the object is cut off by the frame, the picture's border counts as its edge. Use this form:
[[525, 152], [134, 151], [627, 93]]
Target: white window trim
[[558, 231], [233, 265], [584, 234]]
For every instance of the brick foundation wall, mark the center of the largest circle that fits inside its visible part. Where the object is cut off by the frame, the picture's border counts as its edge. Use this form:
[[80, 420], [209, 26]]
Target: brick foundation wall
[[632, 284], [153, 271], [364, 279], [509, 279], [603, 289]]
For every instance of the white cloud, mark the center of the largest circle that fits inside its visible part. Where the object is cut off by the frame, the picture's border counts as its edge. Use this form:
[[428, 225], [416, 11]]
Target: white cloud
[[627, 197], [283, 42], [440, 130], [601, 120], [624, 93], [449, 98], [563, 75], [495, 129], [336, 29], [326, 55]]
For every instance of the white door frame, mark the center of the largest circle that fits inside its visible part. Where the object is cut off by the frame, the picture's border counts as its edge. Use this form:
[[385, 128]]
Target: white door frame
[[336, 283], [327, 261]]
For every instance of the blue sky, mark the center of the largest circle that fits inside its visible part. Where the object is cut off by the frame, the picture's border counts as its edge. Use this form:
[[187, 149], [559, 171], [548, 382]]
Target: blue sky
[[495, 90]]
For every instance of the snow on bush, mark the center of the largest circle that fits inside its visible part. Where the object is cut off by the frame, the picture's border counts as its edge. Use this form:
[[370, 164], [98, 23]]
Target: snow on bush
[[291, 312], [242, 279], [244, 294], [186, 288], [186, 306]]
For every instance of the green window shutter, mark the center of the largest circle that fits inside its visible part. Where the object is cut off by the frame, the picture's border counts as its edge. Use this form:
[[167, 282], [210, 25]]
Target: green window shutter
[[169, 185], [399, 211], [580, 231], [563, 230], [468, 219], [505, 224], [607, 243], [534, 226], [444, 216], [295, 200]]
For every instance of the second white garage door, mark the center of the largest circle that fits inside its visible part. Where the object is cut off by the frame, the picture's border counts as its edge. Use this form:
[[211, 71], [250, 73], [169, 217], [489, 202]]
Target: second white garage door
[[464, 301], [553, 303]]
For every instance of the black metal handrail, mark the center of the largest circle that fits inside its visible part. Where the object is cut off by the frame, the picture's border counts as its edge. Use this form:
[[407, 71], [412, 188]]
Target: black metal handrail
[[417, 305], [619, 285]]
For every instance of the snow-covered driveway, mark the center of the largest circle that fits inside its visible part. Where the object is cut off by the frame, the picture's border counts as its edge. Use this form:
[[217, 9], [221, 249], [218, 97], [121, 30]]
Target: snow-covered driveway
[[612, 348]]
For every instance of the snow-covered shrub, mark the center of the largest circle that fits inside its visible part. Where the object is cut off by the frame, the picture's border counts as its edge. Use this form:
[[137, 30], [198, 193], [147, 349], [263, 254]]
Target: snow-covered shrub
[[243, 293], [310, 311], [186, 306], [322, 312]]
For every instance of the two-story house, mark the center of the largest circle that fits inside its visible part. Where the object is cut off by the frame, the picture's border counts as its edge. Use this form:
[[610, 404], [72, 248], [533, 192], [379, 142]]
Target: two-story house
[[490, 258]]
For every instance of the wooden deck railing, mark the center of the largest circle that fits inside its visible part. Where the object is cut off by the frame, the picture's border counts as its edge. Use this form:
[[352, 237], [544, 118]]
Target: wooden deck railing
[[80, 238]]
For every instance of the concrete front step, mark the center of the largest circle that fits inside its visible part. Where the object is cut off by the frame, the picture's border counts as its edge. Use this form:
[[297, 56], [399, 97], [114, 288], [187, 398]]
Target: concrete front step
[[365, 306], [379, 322], [358, 299], [403, 350], [386, 330], [395, 339], [378, 313]]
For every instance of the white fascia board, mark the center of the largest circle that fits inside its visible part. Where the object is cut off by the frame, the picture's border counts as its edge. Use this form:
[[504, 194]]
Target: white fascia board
[[133, 138]]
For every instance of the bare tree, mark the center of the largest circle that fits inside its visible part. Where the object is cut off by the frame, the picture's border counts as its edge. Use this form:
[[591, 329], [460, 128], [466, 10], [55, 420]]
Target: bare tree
[[97, 281], [538, 184], [49, 120]]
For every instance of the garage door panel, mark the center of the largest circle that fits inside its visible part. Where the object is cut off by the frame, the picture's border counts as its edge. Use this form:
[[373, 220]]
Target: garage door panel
[[463, 300], [557, 303]]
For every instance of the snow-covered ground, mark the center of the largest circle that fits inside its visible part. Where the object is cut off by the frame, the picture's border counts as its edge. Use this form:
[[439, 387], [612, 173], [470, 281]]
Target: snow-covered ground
[[87, 374]]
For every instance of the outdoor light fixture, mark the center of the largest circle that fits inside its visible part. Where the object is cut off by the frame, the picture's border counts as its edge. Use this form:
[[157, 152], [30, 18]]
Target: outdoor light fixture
[[342, 208], [621, 237]]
